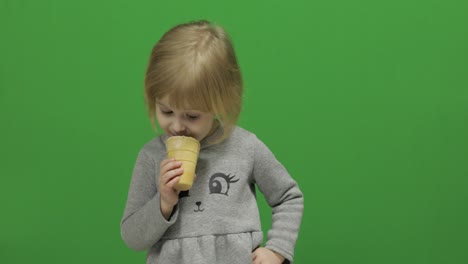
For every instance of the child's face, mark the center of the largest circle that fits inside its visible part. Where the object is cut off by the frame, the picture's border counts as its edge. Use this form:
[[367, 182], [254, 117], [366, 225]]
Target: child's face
[[183, 122]]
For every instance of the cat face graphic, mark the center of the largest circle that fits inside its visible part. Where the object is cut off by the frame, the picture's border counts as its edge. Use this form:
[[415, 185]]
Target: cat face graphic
[[219, 184]]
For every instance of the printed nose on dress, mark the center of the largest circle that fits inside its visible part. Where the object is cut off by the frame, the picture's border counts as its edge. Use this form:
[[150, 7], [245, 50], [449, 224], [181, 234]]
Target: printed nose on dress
[[198, 203]]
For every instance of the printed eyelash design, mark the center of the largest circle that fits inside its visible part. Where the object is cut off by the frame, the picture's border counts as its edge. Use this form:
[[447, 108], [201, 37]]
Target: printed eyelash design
[[220, 183]]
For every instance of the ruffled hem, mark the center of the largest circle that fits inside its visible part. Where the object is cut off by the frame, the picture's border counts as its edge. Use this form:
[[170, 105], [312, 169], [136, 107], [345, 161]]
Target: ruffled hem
[[220, 249]]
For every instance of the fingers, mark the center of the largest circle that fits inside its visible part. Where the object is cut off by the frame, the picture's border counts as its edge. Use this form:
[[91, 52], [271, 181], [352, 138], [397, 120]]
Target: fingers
[[169, 164], [265, 255], [169, 174], [173, 181], [254, 256], [170, 170]]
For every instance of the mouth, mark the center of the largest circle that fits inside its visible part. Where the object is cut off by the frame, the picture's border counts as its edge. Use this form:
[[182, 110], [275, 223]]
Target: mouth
[[175, 135], [199, 210]]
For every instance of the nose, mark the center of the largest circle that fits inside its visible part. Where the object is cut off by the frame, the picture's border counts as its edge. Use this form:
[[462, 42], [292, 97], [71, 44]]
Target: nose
[[198, 204], [178, 127]]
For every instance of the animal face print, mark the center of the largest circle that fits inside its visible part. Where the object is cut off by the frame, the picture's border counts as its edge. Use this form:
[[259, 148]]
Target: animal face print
[[218, 184]]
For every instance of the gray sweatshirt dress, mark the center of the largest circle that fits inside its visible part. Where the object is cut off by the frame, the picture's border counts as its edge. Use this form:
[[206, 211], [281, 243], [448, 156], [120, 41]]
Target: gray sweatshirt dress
[[217, 221]]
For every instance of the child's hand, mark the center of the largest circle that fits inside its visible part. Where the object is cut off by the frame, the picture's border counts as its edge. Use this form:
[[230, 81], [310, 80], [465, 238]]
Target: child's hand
[[265, 256], [169, 175]]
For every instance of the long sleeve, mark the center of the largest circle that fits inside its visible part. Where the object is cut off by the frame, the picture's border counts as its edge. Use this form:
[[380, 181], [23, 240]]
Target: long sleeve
[[142, 224], [284, 196]]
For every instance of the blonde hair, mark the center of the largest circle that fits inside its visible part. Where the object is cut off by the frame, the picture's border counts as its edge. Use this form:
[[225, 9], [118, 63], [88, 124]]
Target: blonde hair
[[194, 64]]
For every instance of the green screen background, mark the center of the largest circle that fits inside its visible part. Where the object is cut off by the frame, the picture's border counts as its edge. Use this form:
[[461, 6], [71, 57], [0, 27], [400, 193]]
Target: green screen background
[[365, 103]]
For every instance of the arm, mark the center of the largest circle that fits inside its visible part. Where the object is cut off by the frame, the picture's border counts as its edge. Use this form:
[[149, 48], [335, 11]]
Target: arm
[[143, 223], [284, 196]]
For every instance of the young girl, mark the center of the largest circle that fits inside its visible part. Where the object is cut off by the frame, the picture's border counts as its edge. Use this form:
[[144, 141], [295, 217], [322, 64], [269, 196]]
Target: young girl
[[193, 87]]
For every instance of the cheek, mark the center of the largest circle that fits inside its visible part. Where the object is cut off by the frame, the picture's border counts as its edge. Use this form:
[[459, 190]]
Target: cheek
[[206, 126], [162, 121]]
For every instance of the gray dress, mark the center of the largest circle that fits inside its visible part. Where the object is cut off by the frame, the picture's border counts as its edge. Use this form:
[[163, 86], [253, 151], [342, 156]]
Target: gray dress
[[217, 221]]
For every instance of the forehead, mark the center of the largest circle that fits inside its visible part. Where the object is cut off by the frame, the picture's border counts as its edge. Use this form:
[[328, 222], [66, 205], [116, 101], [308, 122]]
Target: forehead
[[167, 102]]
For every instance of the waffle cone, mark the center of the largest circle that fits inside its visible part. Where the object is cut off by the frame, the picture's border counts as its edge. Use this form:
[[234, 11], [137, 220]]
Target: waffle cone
[[185, 150]]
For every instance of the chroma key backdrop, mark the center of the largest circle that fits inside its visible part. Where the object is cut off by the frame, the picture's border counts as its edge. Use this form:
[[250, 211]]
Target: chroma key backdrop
[[365, 103]]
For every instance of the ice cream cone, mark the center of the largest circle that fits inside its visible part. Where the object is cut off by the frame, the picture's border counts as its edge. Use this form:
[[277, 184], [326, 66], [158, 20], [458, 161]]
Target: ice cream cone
[[184, 149]]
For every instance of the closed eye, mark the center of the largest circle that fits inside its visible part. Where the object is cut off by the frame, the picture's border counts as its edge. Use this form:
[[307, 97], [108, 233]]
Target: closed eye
[[192, 117], [166, 112]]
